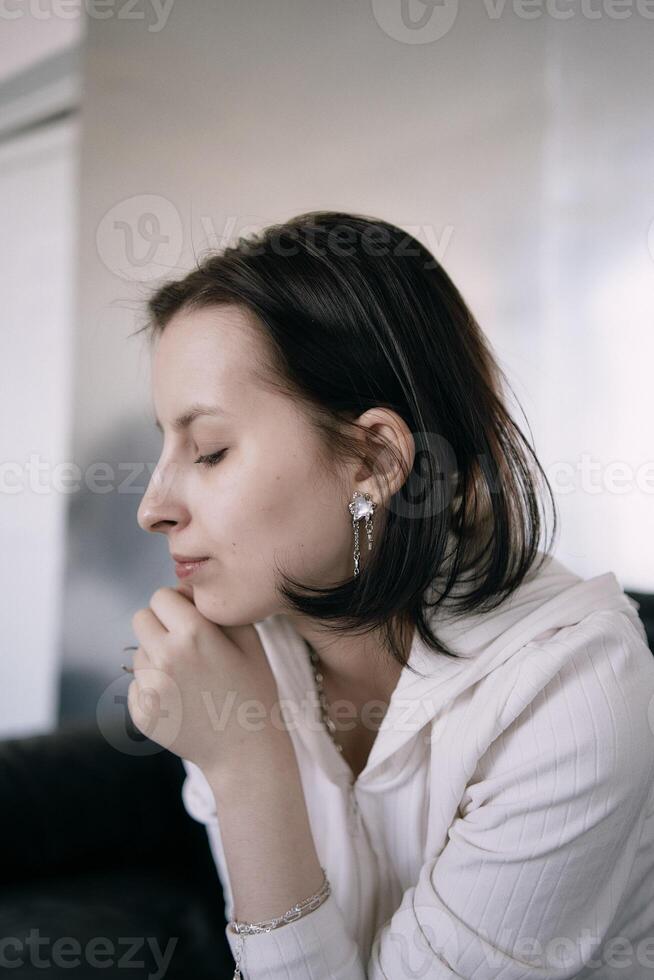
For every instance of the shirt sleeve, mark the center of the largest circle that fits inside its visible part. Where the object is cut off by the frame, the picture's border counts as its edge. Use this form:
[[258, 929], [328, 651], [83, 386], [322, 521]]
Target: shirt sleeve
[[316, 946], [540, 855]]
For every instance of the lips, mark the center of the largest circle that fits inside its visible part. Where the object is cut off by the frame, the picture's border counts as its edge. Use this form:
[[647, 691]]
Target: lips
[[187, 559], [185, 568]]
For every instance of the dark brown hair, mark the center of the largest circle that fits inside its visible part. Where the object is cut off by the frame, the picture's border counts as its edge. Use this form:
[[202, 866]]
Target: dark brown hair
[[357, 313]]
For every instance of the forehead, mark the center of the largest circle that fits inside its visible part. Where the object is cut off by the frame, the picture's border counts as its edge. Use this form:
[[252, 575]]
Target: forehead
[[205, 353]]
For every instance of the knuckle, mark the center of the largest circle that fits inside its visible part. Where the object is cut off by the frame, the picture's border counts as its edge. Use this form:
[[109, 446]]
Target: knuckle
[[166, 661], [160, 592], [188, 633]]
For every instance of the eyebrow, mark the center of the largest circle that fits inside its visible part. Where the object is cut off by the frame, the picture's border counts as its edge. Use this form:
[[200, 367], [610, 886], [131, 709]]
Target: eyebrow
[[184, 420]]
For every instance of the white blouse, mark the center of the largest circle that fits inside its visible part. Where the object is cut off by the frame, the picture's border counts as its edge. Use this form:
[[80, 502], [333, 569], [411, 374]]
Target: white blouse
[[503, 826]]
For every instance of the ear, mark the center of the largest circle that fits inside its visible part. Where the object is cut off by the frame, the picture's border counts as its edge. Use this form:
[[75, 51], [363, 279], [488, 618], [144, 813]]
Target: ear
[[391, 449]]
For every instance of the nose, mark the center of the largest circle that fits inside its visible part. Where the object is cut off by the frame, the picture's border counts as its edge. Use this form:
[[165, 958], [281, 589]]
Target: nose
[[161, 508]]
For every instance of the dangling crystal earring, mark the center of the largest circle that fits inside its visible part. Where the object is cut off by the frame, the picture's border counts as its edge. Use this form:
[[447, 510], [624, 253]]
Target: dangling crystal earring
[[361, 505]]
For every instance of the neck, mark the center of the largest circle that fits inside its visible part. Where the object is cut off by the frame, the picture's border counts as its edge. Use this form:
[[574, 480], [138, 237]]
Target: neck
[[353, 662]]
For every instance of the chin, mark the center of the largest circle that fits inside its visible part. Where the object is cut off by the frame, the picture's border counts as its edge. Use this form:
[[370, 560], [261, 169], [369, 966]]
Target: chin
[[234, 611], [226, 614]]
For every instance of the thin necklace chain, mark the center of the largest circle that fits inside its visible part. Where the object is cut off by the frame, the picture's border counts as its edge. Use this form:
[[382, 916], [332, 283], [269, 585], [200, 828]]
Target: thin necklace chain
[[318, 677]]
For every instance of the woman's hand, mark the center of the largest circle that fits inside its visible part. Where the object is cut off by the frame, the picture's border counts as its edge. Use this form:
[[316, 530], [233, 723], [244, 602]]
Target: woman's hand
[[190, 676]]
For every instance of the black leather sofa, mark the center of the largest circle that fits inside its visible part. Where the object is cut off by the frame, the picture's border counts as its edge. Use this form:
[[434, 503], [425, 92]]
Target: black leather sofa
[[103, 872]]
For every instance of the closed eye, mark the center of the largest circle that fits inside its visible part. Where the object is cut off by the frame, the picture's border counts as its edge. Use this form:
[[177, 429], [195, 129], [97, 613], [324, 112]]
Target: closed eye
[[212, 458]]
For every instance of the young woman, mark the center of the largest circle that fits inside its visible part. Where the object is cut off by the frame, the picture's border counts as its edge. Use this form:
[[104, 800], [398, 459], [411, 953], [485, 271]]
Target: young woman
[[422, 746]]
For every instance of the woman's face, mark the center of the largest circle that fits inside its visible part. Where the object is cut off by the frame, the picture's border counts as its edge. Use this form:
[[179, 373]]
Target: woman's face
[[268, 499]]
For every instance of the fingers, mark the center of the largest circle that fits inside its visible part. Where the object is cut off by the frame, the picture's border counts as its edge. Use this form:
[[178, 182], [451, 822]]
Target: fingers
[[186, 590], [141, 661], [150, 634], [174, 610]]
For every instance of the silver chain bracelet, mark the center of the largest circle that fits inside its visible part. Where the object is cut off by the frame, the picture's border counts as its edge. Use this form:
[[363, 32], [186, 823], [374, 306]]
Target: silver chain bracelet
[[296, 912]]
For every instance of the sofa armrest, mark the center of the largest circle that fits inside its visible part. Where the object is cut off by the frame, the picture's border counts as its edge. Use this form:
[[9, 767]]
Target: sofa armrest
[[70, 799]]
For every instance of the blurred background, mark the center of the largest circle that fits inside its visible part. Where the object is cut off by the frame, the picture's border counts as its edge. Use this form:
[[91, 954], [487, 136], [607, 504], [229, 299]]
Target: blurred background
[[513, 137]]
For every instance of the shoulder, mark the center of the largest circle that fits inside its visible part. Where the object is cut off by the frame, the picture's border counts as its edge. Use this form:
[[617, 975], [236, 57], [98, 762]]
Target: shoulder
[[601, 664], [601, 671], [576, 713], [554, 815]]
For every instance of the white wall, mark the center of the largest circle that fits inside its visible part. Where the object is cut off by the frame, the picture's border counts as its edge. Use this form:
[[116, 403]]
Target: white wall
[[595, 409], [37, 263], [32, 32]]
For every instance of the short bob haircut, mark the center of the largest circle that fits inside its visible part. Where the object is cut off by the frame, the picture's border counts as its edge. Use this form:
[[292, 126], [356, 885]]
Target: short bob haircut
[[357, 313]]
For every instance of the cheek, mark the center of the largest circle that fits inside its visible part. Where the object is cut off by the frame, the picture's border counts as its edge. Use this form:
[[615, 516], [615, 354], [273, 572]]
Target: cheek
[[307, 524], [231, 518], [286, 513]]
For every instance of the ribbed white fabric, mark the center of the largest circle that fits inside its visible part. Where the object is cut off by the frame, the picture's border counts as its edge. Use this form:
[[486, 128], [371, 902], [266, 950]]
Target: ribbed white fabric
[[503, 827]]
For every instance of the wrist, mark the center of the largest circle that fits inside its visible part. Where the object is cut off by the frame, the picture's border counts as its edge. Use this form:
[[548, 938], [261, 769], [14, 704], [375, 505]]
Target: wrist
[[270, 759]]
